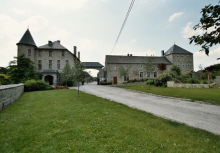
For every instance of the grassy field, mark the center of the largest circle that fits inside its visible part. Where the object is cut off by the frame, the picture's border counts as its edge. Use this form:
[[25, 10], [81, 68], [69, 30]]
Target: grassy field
[[59, 121], [211, 95]]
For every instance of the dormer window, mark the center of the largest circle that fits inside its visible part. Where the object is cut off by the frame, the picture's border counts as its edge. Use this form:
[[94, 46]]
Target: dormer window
[[29, 52]]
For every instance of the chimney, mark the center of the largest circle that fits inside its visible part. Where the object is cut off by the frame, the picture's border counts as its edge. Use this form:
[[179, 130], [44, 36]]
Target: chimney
[[75, 50], [50, 43], [79, 55], [58, 41], [162, 53], [130, 54]]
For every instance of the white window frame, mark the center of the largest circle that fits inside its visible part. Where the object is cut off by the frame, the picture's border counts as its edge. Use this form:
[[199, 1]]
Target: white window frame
[[140, 74], [178, 65], [183, 65], [156, 76], [141, 66]]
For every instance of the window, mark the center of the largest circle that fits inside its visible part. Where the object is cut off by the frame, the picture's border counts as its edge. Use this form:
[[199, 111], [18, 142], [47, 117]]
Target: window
[[183, 65], [148, 74], [58, 64], [155, 74], [141, 74], [182, 56], [29, 52], [178, 65], [141, 66], [188, 65], [63, 53], [39, 53], [50, 64], [126, 78], [177, 56], [39, 65], [187, 56], [115, 68], [50, 53]]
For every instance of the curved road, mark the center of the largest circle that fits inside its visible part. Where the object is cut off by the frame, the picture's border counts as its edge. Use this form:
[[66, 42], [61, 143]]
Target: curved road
[[199, 115]]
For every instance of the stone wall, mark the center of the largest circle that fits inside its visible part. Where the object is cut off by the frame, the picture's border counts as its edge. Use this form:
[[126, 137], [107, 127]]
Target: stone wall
[[171, 84], [218, 79], [9, 94]]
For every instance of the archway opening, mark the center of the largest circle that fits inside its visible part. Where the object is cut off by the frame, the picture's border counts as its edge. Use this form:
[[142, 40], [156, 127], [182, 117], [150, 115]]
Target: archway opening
[[49, 79]]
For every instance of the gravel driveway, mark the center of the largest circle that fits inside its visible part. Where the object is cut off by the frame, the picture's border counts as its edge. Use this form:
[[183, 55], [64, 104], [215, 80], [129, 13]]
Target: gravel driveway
[[195, 114]]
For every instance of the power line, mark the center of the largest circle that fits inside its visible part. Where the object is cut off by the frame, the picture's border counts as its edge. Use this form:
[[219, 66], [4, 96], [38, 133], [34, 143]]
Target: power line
[[125, 20]]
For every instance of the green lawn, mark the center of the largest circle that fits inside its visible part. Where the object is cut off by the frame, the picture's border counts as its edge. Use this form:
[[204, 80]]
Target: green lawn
[[59, 121], [211, 95]]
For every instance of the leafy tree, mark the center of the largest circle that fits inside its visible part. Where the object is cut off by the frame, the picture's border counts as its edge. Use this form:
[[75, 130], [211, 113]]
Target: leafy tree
[[123, 72], [3, 70], [21, 69], [149, 66], [176, 70], [210, 19], [4, 79], [162, 66], [78, 73], [66, 73]]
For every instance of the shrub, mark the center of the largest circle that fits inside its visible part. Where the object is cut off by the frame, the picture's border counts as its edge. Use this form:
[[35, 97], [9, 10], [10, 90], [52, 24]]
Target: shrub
[[205, 82], [189, 81], [179, 78], [150, 82], [198, 81], [33, 85], [186, 76], [184, 81], [192, 80], [69, 83], [135, 80]]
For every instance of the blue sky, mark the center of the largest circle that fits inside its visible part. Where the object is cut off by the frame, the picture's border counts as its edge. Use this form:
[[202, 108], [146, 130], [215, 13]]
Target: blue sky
[[93, 26]]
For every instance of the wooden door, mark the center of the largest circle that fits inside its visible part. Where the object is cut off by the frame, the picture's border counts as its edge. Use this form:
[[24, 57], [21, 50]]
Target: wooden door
[[115, 80]]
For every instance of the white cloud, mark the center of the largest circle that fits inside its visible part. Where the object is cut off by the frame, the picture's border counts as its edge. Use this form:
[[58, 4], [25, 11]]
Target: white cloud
[[202, 58], [189, 32], [64, 4], [35, 23], [21, 11], [59, 34], [175, 15]]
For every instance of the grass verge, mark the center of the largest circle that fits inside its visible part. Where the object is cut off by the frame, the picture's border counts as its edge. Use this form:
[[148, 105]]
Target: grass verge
[[210, 95], [59, 121]]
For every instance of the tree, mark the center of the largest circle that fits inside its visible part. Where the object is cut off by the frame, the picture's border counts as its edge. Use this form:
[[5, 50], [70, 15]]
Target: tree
[[176, 70], [21, 69], [149, 67], [210, 19], [3, 70], [162, 66], [123, 72], [78, 73], [66, 73]]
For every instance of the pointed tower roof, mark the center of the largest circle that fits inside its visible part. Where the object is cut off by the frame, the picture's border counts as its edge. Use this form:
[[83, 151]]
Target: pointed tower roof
[[176, 50], [27, 39]]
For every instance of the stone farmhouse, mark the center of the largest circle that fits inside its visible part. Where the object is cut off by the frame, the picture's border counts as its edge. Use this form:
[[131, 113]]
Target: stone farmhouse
[[48, 59], [135, 64]]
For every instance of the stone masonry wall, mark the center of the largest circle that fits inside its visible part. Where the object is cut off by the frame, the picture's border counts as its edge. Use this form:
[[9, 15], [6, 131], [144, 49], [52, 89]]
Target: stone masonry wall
[[134, 72], [9, 94]]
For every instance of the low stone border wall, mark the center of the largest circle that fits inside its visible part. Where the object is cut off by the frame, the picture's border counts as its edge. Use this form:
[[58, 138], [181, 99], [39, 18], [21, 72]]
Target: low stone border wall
[[9, 94], [171, 84]]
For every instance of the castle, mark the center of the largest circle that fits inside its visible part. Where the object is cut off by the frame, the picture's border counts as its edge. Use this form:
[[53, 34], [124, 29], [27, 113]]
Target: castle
[[48, 59]]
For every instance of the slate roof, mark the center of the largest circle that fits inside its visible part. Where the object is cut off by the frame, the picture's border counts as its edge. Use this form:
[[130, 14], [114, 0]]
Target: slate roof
[[92, 65], [176, 50], [27, 39], [117, 59], [54, 45]]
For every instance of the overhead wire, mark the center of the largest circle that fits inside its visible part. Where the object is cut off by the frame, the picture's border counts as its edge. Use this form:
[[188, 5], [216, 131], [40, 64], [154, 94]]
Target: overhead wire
[[125, 20]]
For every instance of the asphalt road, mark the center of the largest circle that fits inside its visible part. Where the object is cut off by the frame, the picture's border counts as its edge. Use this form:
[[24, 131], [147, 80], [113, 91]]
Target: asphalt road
[[195, 114]]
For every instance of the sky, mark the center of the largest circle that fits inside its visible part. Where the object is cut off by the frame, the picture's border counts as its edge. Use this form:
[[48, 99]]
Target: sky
[[93, 26]]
